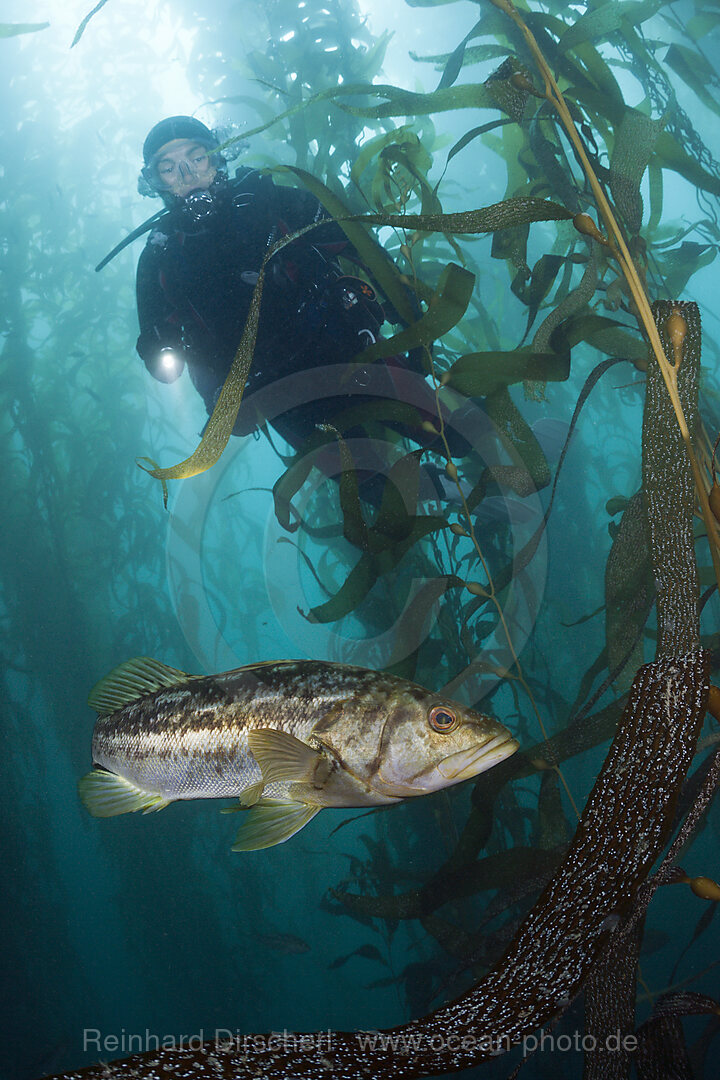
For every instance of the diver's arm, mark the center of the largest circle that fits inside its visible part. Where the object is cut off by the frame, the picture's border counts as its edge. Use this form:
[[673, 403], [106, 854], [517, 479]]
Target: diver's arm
[[160, 341]]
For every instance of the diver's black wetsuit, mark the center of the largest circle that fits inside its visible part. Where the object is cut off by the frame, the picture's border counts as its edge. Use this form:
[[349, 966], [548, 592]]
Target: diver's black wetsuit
[[195, 280]]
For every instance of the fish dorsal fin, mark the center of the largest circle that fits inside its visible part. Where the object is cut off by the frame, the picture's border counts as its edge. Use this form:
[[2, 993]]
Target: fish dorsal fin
[[132, 680]]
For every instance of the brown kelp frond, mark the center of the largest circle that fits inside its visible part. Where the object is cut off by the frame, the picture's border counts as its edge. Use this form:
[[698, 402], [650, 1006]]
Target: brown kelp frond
[[83, 25], [669, 370]]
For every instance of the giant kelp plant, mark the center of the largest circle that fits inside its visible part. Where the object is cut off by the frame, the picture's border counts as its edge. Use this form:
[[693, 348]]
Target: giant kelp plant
[[600, 291]]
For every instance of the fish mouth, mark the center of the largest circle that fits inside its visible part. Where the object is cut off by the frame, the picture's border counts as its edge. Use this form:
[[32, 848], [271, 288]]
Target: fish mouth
[[466, 763]]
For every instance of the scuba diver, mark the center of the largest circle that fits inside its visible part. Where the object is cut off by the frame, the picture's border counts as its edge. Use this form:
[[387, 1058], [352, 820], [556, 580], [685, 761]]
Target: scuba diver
[[196, 276]]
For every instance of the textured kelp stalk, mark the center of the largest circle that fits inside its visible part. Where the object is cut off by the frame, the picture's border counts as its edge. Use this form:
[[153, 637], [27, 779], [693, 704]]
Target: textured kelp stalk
[[668, 485], [629, 593], [623, 828], [610, 1007], [669, 498]]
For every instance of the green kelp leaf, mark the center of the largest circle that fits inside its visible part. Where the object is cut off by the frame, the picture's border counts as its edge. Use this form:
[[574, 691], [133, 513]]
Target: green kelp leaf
[[533, 292], [447, 306], [355, 528], [383, 270], [476, 54], [372, 60], [351, 594], [595, 24], [679, 264], [468, 137], [554, 167], [481, 373], [287, 486], [416, 622], [414, 162], [572, 303], [552, 824], [635, 140], [655, 178], [511, 244], [372, 148], [408, 103], [456, 59], [517, 210], [695, 71], [219, 426], [399, 498], [385, 412], [668, 484], [599, 22], [606, 335], [532, 472], [369, 568], [81, 28], [701, 24], [670, 155], [155, 465], [13, 29]]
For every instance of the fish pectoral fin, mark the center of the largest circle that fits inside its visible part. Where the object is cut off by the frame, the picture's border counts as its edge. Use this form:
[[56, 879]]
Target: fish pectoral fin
[[104, 794], [132, 680], [273, 821], [283, 757]]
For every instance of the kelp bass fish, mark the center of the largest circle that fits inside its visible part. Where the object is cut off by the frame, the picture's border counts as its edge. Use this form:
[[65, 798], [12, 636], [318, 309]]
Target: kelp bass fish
[[286, 738]]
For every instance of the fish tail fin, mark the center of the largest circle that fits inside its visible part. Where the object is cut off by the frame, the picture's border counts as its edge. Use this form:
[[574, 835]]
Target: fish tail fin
[[104, 794], [273, 821]]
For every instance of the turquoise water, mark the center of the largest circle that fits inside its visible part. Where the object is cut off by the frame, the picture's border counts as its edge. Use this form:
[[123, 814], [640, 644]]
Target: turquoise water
[[120, 931]]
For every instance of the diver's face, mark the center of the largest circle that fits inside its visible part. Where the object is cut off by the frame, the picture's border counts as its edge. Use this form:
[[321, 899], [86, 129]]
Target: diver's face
[[182, 166]]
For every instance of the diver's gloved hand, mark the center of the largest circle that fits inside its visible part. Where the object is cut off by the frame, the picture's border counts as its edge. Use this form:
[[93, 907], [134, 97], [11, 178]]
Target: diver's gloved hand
[[163, 356]]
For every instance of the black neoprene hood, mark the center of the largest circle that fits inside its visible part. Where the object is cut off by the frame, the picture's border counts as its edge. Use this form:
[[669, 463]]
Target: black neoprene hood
[[176, 127]]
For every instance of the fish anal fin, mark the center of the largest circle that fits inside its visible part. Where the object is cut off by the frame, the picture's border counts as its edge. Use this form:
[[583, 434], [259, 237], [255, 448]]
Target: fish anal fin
[[283, 757], [132, 680], [272, 821], [104, 794]]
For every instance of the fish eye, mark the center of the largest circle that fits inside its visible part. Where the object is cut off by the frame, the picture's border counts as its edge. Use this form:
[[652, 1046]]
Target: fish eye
[[443, 719]]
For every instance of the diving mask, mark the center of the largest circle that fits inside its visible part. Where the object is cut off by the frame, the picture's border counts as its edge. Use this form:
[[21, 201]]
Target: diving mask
[[181, 166]]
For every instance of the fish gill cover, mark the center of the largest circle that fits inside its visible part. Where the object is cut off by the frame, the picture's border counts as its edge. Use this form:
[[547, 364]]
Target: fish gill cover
[[600, 259]]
